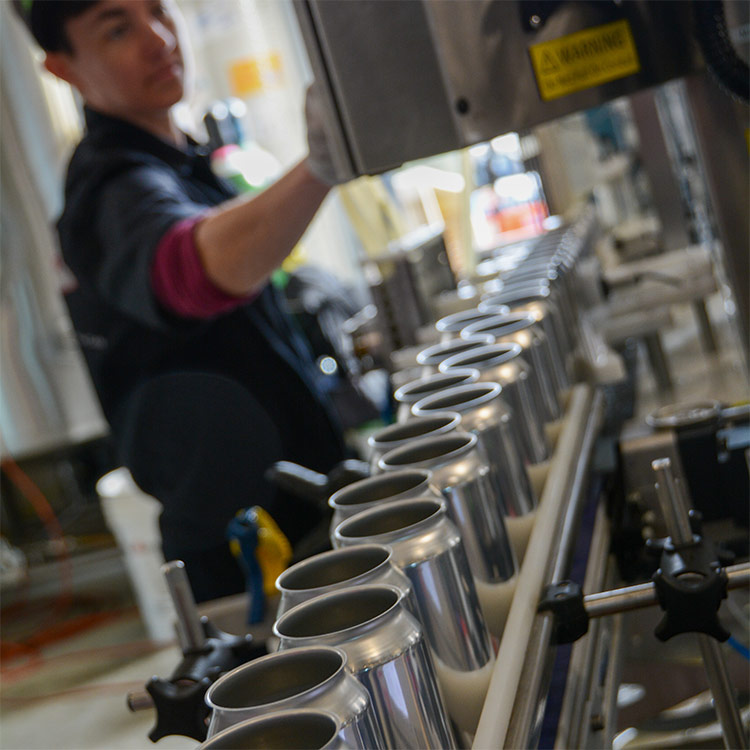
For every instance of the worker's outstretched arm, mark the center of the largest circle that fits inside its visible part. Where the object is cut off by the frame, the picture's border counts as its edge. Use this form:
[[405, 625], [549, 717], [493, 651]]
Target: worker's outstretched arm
[[242, 241]]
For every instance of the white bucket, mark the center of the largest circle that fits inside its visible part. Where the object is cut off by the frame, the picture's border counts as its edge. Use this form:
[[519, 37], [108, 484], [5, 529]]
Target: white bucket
[[133, 519]]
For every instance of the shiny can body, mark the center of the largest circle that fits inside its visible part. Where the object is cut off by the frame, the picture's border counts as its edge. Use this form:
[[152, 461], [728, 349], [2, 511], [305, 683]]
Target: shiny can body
[[409, 393], [450, 326], [396, 435], [386, 651], [538, 300], [306, 728], [379, 489], [523, 329], [338, 569], [314, 677], [504, 364], [522, 292], [484, 413], [459, 468], [431, 357], [427, 547]]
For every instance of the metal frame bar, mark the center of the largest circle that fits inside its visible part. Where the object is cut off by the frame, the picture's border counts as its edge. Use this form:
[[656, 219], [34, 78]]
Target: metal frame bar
[[511, 711]]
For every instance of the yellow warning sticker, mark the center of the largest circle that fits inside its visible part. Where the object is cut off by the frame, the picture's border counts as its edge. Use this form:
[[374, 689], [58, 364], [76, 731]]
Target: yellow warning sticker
[[585, 59]]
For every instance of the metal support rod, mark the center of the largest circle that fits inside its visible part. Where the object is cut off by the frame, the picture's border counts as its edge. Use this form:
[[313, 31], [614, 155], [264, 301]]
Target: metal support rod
[[675, 513], [725, 702], [705, 329], [670, 499], [189, 628], [644, 594], [658, 361], [139, 700], [524, 649]]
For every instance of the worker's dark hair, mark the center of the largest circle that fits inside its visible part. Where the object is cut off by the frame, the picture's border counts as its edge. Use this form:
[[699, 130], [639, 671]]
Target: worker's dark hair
[[46, 20]]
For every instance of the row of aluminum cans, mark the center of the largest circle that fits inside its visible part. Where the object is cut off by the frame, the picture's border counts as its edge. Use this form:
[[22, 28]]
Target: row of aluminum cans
[[389, 639]]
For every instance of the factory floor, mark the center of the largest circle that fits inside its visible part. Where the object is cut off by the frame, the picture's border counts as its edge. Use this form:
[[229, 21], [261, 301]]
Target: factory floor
[[70, 692]]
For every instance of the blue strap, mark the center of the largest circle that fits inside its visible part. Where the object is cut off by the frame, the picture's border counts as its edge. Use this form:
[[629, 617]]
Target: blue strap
[[244, 529]]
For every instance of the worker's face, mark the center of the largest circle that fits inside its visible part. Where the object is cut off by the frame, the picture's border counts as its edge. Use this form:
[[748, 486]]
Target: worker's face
[[126, 58]]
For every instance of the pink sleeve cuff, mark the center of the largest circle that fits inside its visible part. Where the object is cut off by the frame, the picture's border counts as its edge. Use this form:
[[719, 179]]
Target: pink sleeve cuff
[[179, 280]]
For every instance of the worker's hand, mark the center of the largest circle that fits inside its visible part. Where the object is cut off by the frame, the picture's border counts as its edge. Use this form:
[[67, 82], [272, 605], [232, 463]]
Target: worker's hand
[[320, 159]]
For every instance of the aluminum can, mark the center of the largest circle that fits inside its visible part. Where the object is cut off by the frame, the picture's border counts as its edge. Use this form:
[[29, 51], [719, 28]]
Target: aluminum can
[[394, 435], [308, 728], [431, 357], [450, 326], [523, 329], [568, 329], [484, 413], [427, 547], [460, 469], [521, 293], [386, 651], [538, 299], [338, 569], [409, 393], [548, 316], [503, 364], [313, 677], [379, 489]]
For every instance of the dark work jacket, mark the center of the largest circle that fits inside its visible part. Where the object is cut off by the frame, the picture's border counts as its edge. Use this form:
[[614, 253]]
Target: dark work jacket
[[198, 408]]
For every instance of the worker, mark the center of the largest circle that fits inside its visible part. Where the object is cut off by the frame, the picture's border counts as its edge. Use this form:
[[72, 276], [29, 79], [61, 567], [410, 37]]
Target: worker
[[201, 373]]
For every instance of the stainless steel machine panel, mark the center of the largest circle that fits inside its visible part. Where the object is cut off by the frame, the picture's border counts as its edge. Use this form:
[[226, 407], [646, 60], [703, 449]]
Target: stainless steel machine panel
[[411, 79]]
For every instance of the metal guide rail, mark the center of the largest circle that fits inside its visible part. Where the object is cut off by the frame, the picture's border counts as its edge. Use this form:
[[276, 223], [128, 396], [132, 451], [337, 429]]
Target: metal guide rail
[[510, 715]]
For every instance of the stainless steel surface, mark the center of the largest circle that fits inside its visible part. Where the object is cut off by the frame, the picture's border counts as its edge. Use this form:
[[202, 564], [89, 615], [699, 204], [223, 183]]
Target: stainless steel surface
[[409, 393], [684, 414], [305, 729], [189, 628], [386, 651], [314, 677], [523, 329], [338, 569], [512, 705], [367, 493], [460, 53], [484, 413], [459, 468], [720, 126], [503, 364], [675, 510], [450, 326], [725, 700], [431, 357], [666, 199], [396, 435], [613, 661], [427, 547]]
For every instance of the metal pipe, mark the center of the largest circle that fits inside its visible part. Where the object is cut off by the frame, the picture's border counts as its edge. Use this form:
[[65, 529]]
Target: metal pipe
[[644, 594], [139, 700], [189, 627], [525, 722], [725, 702], [515, 657], [581, 666], [671, 499]]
